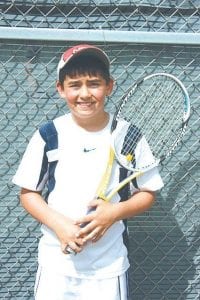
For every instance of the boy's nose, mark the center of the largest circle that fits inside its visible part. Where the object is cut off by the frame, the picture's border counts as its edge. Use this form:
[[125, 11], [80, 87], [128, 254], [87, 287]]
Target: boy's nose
[[85, 92]]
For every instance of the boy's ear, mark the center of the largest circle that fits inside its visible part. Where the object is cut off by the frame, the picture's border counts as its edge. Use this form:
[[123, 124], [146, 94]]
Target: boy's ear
[[60, 89], [110, 87]]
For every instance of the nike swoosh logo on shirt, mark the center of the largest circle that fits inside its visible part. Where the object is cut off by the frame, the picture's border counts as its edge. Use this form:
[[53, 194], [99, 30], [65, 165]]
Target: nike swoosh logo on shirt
[[88, 150]]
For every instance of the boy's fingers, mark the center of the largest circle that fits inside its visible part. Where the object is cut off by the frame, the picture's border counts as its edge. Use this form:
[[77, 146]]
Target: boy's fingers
[[98, 236], [92, 236], [85, 221], [86, 228], [73, 247], [68, 250]]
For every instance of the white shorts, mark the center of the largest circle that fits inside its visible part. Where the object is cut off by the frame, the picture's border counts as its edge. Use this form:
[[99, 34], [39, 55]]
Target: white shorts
[[53, 286]]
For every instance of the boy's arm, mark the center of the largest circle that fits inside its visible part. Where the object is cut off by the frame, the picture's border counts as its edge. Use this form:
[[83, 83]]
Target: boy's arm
[[108, 213], [63, 227]]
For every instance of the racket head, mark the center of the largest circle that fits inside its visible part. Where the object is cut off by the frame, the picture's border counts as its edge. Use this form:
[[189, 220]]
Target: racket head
[[155, 111]]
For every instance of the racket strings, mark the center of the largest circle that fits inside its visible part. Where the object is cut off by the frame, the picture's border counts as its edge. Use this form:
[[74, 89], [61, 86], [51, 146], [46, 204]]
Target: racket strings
[[154, 109], [168, 119]]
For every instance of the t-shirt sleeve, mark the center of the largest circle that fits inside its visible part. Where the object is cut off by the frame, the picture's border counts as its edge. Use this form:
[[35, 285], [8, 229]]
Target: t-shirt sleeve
[[150, 180], [32, 172]]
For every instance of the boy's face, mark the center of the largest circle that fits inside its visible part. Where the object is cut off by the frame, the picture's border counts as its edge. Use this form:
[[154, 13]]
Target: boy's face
[[85, 94]]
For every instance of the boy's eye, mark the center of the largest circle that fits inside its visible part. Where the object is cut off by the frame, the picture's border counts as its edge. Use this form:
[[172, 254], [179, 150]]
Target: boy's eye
[[74, 85], [94, 83], [89, 84]]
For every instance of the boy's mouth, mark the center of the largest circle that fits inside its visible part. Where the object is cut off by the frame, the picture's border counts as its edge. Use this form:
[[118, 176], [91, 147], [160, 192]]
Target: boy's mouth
[[85, 104]]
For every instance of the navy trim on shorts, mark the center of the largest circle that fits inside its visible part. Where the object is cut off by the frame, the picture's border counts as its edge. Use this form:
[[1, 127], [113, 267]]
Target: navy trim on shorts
[[127, 286], [119, 287]]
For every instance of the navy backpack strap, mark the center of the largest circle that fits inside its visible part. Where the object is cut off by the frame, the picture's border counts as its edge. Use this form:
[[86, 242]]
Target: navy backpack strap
[[133, 132], [124, 195], [49, 134]]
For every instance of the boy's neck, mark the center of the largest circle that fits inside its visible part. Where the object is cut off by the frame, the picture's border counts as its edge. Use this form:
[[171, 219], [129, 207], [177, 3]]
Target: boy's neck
[[96, 123]]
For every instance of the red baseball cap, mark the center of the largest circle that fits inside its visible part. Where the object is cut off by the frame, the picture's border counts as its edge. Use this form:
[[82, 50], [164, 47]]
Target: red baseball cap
[[75, 51]]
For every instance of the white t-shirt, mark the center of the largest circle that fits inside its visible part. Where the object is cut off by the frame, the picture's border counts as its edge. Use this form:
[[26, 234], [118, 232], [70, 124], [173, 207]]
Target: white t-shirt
[[81, 160]]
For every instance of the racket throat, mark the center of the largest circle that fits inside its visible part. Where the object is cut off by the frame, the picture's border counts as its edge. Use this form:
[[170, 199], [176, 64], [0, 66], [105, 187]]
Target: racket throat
[[102, 188], [123, 183]]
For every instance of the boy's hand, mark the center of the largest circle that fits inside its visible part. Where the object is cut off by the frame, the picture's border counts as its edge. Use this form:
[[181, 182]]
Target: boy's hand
[[64, 228], [97, 221], [66, 232]]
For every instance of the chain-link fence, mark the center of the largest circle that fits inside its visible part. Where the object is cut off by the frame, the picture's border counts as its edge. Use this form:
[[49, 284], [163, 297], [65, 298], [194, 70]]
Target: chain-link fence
[[140, 37]]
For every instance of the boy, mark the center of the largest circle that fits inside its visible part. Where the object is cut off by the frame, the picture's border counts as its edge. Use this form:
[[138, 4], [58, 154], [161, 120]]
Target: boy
[[72, 169]]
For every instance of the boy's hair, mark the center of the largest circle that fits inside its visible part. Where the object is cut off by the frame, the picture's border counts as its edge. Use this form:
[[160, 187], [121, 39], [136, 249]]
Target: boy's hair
[[85, 64]]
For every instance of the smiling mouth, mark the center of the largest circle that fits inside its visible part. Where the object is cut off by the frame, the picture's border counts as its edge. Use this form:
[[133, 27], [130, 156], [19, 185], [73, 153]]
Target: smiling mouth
[[85, 104]]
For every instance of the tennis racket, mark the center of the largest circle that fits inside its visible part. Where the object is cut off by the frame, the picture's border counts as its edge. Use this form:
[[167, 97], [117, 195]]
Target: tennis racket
[[154, 113], [156, 110]]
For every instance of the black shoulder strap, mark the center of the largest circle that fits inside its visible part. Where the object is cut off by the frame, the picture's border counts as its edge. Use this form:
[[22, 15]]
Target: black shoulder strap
[[49, 134], [133, 132]]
